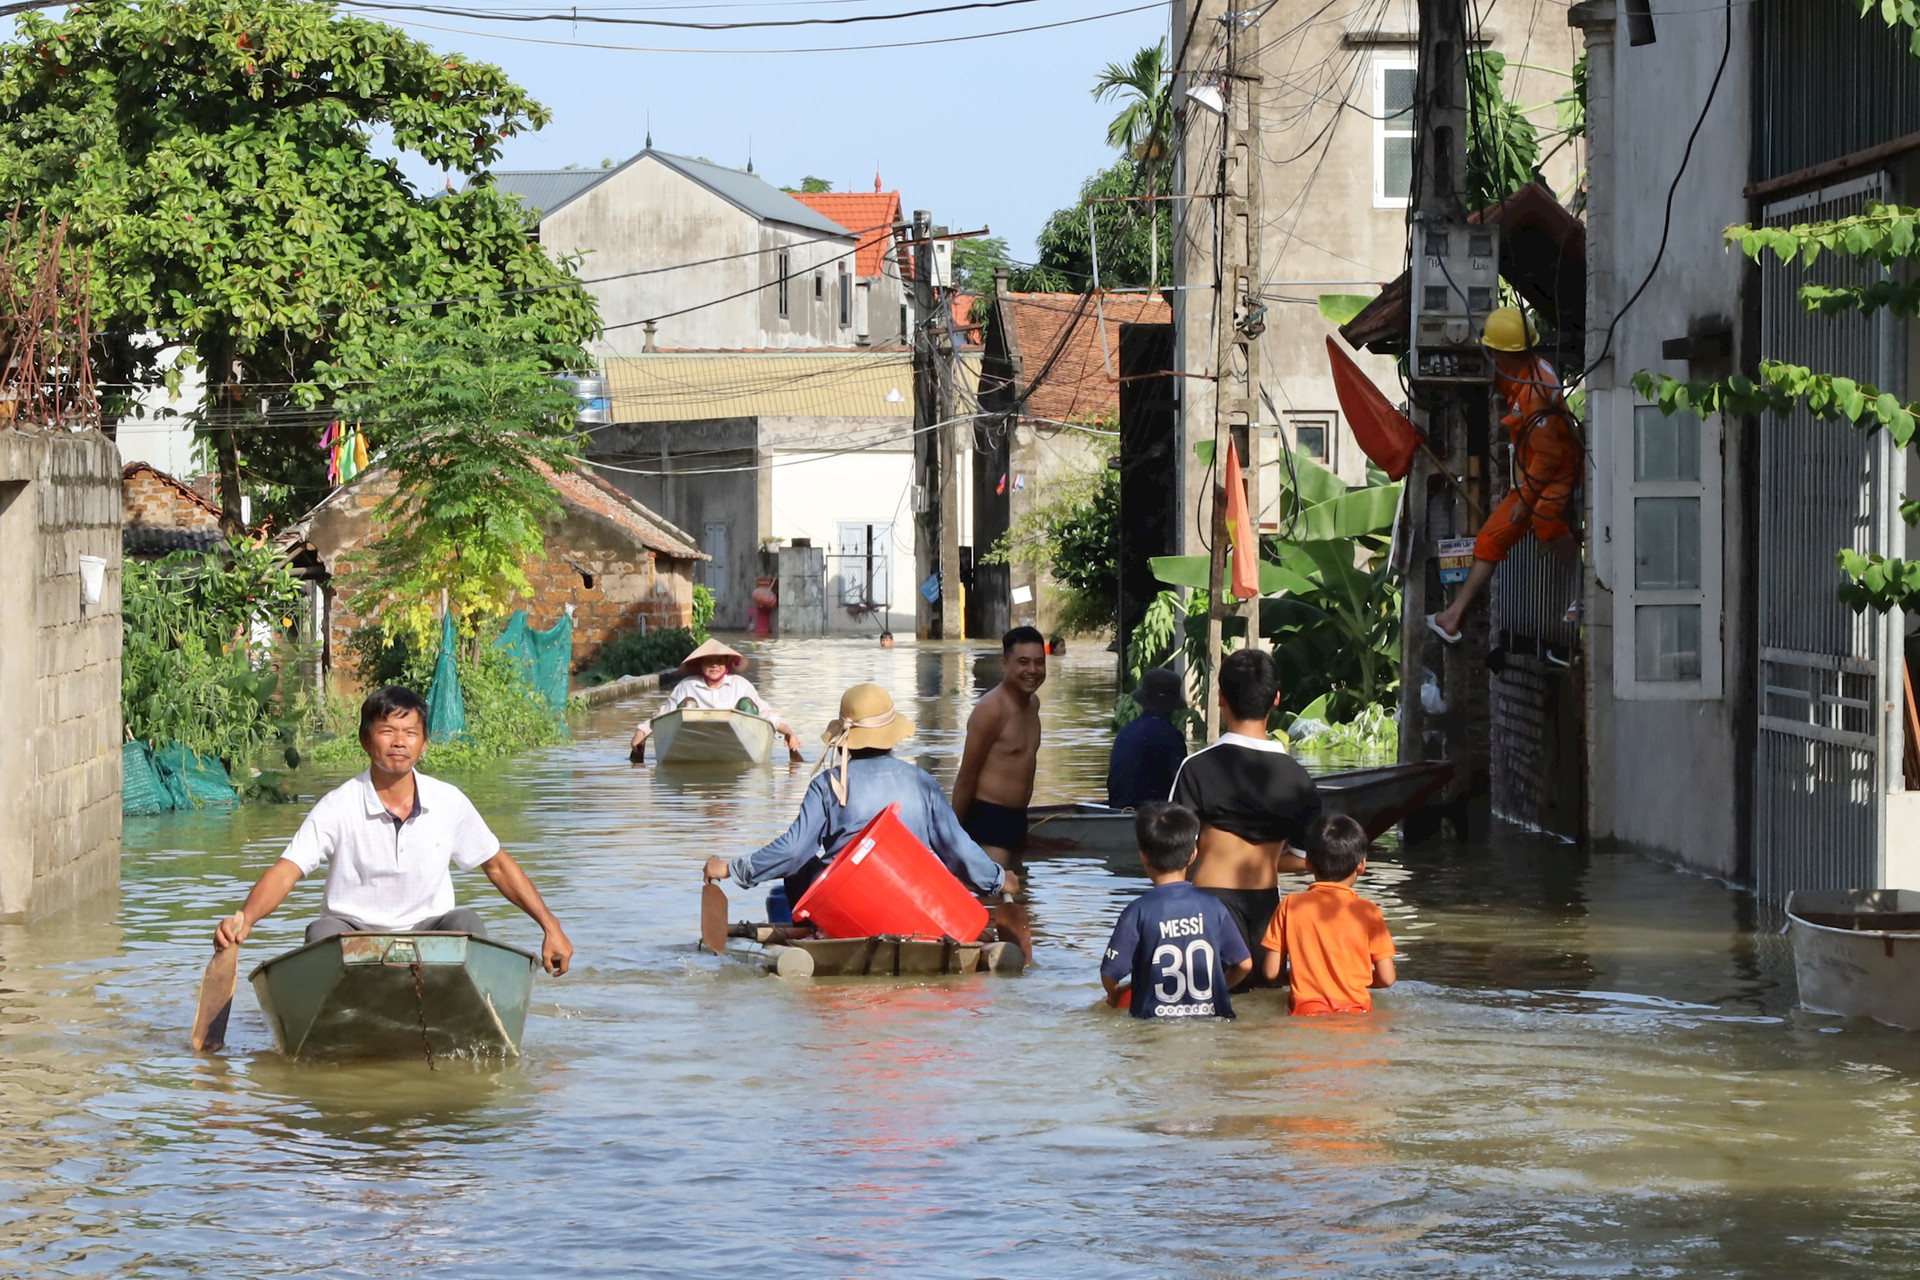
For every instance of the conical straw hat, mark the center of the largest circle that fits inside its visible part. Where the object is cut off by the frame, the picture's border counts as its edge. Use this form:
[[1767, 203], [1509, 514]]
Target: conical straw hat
[[712, 649]]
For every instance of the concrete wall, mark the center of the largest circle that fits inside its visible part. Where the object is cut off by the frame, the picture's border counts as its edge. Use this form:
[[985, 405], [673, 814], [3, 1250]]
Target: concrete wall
[[724, 488], [1039, 457], [1324, 232], [649, 214], [60, 723], [1666, 775], [631, 585], [816, 487]]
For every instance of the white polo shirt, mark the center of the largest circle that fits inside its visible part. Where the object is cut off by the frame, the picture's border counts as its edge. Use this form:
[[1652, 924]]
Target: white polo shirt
[[387, 874], [722, 697]]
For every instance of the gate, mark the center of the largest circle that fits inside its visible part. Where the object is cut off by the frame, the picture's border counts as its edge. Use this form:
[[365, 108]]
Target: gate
[[1825, 754]]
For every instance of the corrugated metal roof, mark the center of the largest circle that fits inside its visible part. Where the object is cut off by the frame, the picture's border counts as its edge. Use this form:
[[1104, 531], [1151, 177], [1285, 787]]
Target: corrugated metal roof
[[544, 190], [685, 387], [761, 199]]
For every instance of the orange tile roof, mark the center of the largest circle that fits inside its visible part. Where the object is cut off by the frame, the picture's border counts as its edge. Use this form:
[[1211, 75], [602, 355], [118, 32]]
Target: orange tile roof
[[869, 214], [1083, 384]]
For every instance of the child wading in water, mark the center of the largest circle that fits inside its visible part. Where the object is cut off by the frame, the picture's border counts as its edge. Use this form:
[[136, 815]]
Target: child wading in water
[[1333, 941], [1177, 943]]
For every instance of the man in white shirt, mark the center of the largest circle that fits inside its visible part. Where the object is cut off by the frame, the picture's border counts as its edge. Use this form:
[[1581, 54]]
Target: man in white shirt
[[710, 678], [388, 837]]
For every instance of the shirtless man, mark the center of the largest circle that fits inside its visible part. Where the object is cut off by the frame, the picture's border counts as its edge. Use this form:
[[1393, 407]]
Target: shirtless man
[[1003, 742], [1255, 802]]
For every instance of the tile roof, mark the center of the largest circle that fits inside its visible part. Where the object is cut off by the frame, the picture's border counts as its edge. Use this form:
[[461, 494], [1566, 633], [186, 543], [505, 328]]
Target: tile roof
[[547, 190], [868, 214], [140, 541], [687, 387], [1083, 383], [187, 492]]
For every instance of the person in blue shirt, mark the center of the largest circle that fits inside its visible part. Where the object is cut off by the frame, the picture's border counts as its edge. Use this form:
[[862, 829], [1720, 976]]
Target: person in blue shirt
[[1175, 944], [1147, 754], [856, 779]]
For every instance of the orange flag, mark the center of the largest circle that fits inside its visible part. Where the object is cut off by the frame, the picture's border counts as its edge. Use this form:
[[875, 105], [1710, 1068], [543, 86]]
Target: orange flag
[[1240, 531]]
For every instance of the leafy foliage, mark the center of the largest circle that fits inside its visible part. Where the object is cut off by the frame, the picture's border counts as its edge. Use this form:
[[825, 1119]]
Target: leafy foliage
[[223, 160], [703, 607], [634, 654], [1503, 151], [1125, 227], [1881, 233], [505, 714], [1075, 537], [975, 261], [471, 426], [186, 666]]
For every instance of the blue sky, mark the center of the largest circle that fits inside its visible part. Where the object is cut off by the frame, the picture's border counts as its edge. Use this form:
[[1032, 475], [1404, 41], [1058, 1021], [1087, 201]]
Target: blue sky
[[997, 132]]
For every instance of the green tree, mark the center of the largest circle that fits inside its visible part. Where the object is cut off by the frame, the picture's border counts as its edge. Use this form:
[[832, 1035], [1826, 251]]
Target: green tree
[[222, 160], [1143, 130], [1074, 536], [1503, 147], [976, 261], [471, 426], [1126, 227]]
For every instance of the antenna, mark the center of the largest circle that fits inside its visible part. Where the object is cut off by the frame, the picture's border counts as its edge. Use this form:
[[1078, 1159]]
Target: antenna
[[649, 128]]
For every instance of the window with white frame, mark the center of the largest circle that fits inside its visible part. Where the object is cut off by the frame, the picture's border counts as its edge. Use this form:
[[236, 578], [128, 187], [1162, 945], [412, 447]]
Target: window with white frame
[[1667, 584], [1393, 133], [1314, 435]]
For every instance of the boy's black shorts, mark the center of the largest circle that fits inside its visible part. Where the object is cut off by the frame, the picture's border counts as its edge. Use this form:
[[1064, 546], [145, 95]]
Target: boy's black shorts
[[1252, 911]]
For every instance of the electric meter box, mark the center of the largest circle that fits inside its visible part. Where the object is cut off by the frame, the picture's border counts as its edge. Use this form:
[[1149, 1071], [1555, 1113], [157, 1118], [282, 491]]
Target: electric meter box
[[1455, 283]]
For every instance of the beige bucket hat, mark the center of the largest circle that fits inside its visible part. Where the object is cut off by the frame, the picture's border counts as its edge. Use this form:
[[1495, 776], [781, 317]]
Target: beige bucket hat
[[692, 663], [867, 719]]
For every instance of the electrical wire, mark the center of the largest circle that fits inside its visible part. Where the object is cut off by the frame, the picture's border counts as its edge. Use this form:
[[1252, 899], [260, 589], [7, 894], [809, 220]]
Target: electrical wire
[[576, 17]]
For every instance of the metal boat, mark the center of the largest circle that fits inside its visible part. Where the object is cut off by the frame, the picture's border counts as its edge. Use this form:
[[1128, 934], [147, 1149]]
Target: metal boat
[[1377, 798], [1856, 952], [701, 735], [397, 995]]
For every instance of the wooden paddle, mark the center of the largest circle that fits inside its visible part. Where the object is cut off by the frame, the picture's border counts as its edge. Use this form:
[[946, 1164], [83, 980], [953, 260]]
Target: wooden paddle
[[216, 1000], [713, 917]]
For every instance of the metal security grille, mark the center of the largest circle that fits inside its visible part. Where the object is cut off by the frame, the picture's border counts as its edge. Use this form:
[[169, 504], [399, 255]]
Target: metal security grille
[[1527, 606], [1805, 48], [1822, 752]]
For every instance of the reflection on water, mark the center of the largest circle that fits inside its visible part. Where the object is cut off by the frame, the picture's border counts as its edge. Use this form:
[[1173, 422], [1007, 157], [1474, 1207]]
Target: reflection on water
[[1592, 1066]]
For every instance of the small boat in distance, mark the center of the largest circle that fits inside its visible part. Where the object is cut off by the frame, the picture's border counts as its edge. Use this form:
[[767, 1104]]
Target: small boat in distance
[[702, 735], [1376, 798], [1856, 953], [397, 995]]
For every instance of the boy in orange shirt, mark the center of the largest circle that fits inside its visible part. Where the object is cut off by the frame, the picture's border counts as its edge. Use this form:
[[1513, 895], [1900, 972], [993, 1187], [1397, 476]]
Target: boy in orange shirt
[[1334, 941]]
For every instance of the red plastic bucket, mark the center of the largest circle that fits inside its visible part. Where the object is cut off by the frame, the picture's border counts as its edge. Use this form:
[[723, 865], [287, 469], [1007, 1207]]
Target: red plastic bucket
[[885, 881]]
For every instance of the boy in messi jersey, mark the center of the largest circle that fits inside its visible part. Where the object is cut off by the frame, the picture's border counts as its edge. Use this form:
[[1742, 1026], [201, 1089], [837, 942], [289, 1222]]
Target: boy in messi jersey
[[1333, 942], [1177, 944]]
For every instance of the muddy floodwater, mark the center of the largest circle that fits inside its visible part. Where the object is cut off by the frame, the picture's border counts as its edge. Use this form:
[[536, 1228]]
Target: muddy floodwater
[[1592, 1066]]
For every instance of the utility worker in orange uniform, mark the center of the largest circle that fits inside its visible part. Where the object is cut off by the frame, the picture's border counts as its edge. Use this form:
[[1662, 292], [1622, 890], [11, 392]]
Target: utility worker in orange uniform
[[1546, 456]]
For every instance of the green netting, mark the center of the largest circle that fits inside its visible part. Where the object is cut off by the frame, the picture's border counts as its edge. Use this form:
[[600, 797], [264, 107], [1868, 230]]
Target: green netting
[[194, 781], [446, 710], [141, 790], [545, 657]]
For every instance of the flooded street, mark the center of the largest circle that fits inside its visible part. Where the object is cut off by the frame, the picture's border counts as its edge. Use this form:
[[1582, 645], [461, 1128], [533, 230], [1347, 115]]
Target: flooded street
[[1591, 1067]]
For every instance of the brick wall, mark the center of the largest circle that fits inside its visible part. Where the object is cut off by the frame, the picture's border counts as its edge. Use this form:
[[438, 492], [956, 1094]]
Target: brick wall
[[60, 725], [630, 583], [1536, 715], [151, 500]]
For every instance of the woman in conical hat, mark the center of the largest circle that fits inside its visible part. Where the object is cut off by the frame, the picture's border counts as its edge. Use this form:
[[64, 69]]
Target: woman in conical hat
[[710, 678], [858, 778]]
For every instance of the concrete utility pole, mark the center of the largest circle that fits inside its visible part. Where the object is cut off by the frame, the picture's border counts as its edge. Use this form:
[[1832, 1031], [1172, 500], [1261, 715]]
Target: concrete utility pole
[[936, 544], [1454, 417], [1239, 319]]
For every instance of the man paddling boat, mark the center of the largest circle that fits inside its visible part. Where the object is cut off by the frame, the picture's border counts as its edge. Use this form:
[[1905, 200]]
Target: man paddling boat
[[995, 783], [710, 678], [858, 778], [1254, 801], [388, 837]]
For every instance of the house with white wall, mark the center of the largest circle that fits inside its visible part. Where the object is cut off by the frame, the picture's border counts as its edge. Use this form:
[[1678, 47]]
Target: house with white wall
[[683, 254], [1742, 719]]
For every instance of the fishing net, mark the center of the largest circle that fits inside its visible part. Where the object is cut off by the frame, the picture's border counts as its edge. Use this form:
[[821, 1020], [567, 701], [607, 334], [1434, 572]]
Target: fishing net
[[141, 790], [544, 657], [446, 709], [194, 781]]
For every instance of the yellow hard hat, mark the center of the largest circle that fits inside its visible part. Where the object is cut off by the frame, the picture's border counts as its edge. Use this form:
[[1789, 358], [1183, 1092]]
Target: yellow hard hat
[[1507, 330]]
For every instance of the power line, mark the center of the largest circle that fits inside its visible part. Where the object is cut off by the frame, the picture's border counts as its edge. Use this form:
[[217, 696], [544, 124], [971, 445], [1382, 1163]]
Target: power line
[[848, 48], [576, 17]]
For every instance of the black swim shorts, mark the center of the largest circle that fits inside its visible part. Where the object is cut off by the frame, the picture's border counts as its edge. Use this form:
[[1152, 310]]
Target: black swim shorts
[[1252, 911], [996, 825]]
